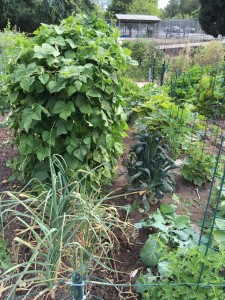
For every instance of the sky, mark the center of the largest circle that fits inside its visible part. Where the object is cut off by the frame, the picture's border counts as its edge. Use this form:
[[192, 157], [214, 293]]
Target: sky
[[163, 3]]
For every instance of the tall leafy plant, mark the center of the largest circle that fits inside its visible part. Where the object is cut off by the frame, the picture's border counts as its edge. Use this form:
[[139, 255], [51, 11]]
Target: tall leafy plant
[[150, 168], [148, 56], [159, 114], [210, 98], [65, 92], [9, 40], [198, 165]]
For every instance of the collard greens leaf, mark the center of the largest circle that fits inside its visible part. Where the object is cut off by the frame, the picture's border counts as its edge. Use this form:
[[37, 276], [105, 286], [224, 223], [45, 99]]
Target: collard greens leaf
[[181, 221], [220, 223], [163, 268], [219, 237], [168, 209], [151, 252]]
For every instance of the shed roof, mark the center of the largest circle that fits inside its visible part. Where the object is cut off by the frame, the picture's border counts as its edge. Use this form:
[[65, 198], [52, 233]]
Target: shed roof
[[137, 18]]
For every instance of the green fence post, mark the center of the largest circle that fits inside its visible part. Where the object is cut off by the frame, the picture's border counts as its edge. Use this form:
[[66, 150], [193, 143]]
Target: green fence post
[[77, 286]]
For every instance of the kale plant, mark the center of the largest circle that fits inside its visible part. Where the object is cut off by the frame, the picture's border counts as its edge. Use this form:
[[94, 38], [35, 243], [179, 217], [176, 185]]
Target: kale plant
[[149, 168]]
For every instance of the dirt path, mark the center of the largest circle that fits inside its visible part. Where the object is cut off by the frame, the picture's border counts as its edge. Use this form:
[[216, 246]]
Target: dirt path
[[7, 152]]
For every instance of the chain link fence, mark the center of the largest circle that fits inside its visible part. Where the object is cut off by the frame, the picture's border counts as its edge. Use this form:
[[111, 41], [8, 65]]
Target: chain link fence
[[184, 30]]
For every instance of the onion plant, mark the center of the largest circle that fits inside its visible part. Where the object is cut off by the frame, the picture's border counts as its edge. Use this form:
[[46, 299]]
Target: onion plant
[[62, 227]]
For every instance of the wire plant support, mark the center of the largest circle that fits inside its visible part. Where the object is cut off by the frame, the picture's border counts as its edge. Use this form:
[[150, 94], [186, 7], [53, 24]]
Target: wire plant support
[[213, 212]]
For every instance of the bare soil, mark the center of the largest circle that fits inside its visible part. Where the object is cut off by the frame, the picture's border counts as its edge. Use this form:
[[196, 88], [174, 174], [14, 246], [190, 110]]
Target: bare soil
[[191, 200]]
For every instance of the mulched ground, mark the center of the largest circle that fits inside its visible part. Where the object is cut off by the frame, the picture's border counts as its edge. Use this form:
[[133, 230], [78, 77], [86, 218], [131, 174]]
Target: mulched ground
[[192, 201], [7, 154]]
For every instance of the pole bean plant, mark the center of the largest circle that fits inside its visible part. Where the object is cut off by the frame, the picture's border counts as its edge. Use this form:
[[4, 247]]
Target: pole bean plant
[[65, 95]]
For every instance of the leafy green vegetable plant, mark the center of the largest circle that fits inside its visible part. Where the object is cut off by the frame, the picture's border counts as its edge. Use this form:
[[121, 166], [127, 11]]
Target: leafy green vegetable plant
[[150, 168], [210, 98], [198, 166], [148, 56], [183, 88], [202, 87], [218, 232], [65, 95], [173, 231], [9, 41], [178, 275], [159, 114]]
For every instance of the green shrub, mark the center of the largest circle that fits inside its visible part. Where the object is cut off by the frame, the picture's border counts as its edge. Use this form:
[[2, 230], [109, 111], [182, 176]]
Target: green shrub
[[159, 114], [210, 100], [211, 54], [183, 89], [148, 56], [202, 87], [65, 92], [198, 166], [9, 40]]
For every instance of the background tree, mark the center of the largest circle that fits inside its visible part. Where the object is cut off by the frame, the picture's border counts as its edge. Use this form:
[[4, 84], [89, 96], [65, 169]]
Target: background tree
[[102, 4], [212, 16], [175, 8], [28, 14], [117, 7], [172, 9], [187, 7], [143, 7]]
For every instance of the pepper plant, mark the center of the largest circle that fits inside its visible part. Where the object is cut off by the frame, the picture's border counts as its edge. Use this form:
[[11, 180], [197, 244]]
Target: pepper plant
[[65, 94], [198, 165]]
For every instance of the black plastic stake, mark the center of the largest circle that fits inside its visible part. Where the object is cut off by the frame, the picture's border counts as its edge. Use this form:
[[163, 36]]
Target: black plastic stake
[[163, 72], [77, 286]]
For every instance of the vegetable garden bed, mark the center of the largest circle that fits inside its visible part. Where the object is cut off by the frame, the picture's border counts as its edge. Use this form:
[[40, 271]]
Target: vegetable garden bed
[[190, 200], [138, 235]]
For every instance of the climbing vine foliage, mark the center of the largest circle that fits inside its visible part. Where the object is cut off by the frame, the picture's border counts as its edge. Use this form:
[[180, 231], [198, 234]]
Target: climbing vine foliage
[[65, 97]]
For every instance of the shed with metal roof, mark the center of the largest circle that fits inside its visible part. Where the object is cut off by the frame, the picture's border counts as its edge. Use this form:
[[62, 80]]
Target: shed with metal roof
[[136, 25], [137, 18]]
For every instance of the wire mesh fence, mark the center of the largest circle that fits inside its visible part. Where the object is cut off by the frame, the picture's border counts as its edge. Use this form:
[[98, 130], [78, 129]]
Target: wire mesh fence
[[166, 31], [81, 289]]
